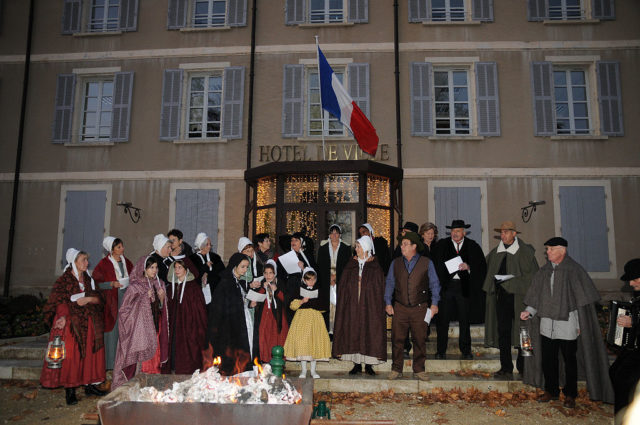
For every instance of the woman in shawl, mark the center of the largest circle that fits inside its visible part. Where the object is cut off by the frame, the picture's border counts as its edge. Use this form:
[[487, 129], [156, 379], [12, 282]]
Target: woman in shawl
[[360, 333], [187, 317], [112, 276], [230, 328], [161, 252], [143, 323], [75, 308], [270, 318], [208, 263], [254, 271]]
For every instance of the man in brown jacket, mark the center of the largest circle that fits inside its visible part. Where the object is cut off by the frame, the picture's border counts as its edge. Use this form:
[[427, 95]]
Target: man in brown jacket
[[412, 288]]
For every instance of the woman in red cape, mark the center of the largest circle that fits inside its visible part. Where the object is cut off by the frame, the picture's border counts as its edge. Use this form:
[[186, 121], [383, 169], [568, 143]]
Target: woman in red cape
[[75, 308], [112, 276], [143, 322]]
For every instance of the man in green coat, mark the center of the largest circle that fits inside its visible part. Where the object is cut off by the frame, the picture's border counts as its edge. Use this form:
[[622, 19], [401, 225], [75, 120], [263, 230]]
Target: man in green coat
[[510, 267]]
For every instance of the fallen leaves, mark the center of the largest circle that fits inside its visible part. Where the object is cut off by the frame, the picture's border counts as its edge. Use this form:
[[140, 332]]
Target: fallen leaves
[[466, 373], [500, 412]]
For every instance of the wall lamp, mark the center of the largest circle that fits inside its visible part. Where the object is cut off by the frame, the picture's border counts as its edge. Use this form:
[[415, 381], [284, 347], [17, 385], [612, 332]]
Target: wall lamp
[[134, 212], [528, 211]]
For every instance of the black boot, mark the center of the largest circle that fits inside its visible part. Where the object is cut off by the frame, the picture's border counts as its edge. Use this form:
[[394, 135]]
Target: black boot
[[93, 390], [357, 368], [70, 396], [368, 369]]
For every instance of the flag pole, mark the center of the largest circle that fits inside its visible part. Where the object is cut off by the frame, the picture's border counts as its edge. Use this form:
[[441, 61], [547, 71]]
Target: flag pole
[[324, 156]]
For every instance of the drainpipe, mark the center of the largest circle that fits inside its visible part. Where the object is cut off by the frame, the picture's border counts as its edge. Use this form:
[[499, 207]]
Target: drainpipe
[[16, 174], [396, 53], [247, 205]]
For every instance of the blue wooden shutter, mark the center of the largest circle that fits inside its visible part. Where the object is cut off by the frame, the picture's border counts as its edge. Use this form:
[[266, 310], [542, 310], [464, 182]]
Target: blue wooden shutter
[[488, 102], [544, 114], [197, 211], [583, 218], [359, 85], [482, 10], [462, 203], [419, 11], [177, 14], [128, 15], [537, 10], [71, 16], [121, 115], [84, 223], [603, 9], [358, 11], [293, 101], [295, 12], [63, 111], [232, 102], [421, 99], [237, 13], [610, 98], [171, 100]]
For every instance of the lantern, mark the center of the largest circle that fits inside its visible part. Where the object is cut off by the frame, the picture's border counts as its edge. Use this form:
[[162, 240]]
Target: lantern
[[525, 342], [55, 353]]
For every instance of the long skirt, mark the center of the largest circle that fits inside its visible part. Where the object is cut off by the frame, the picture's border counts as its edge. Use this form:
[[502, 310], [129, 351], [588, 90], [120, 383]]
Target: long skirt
[[269, 335], [308, 338]]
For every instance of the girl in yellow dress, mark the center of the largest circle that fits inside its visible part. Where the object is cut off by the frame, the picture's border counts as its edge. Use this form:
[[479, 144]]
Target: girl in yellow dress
[[308, 339]]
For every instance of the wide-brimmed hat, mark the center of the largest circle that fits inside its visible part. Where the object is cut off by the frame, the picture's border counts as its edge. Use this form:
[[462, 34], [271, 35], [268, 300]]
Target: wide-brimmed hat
[[410, 226], [557, 241], [415, 239], [506, 225], [458, 224], [631, 270]]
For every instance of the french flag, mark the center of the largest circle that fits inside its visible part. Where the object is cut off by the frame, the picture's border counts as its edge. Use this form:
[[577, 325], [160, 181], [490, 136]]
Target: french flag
[[336, 100]]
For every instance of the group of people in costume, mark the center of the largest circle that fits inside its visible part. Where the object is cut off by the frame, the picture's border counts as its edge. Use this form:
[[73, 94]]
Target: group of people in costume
[[179, 307]]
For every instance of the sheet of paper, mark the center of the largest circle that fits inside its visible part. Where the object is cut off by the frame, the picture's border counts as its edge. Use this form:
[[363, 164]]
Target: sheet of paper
[[428, 316], [290, 262], [305, 293], [124, 281], [76, 297], [206, 291], [453, 264], [504, 277], [256, 296]]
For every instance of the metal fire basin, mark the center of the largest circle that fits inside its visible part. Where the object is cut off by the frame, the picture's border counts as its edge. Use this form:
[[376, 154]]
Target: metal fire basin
[[118, 409]]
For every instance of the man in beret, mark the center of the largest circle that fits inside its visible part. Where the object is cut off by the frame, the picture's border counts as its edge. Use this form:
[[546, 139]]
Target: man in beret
[[561, 306], [414, 286], [510, 267]]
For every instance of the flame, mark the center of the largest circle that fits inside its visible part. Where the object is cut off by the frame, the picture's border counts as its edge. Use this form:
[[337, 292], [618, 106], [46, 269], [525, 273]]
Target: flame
[[207, 358], [242, 358], [283, 376], [257, 363], [217, 361]]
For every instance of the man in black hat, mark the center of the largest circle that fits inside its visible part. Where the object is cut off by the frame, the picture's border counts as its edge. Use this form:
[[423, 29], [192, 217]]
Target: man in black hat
[[625, 371], [462, 288], [409, 226], [561, 303]]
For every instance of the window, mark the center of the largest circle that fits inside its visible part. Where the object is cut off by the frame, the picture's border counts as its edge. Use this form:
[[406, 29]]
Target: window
[[301, 108], [460, 100], [185, 14], [583, 217], [567, 103], [103, 102], [213, 102], [439, 11], [92, 16], [570, 10], [326, 11]]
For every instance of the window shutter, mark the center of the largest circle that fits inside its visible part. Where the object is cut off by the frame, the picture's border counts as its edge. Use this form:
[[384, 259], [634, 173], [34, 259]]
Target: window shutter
[[359, 85], [544, 116], [421, 99], [84, 223], [482, 10], [419, 10], [171, 99], [536, 10], [488, 101], [197, 211], [295, 12], [232, 103], [582, 208], [603, 9], [237, 13], [71, 16], [610, 98], [358, 11], [63, 111], [293, 101], [177, 14], [121, 115], [462, 203], [128, 15]]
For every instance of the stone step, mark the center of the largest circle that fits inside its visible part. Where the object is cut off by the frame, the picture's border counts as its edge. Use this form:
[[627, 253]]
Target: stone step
[[20, 369], [24, 350], [477, 346], [477, 331]]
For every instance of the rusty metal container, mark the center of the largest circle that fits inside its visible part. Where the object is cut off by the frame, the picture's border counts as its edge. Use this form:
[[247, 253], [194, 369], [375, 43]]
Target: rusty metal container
[[118, 409]]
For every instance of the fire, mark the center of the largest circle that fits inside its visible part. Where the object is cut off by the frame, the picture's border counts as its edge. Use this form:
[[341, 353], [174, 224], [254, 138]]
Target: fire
[[217, 361], [257, 363], [207, 358]]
